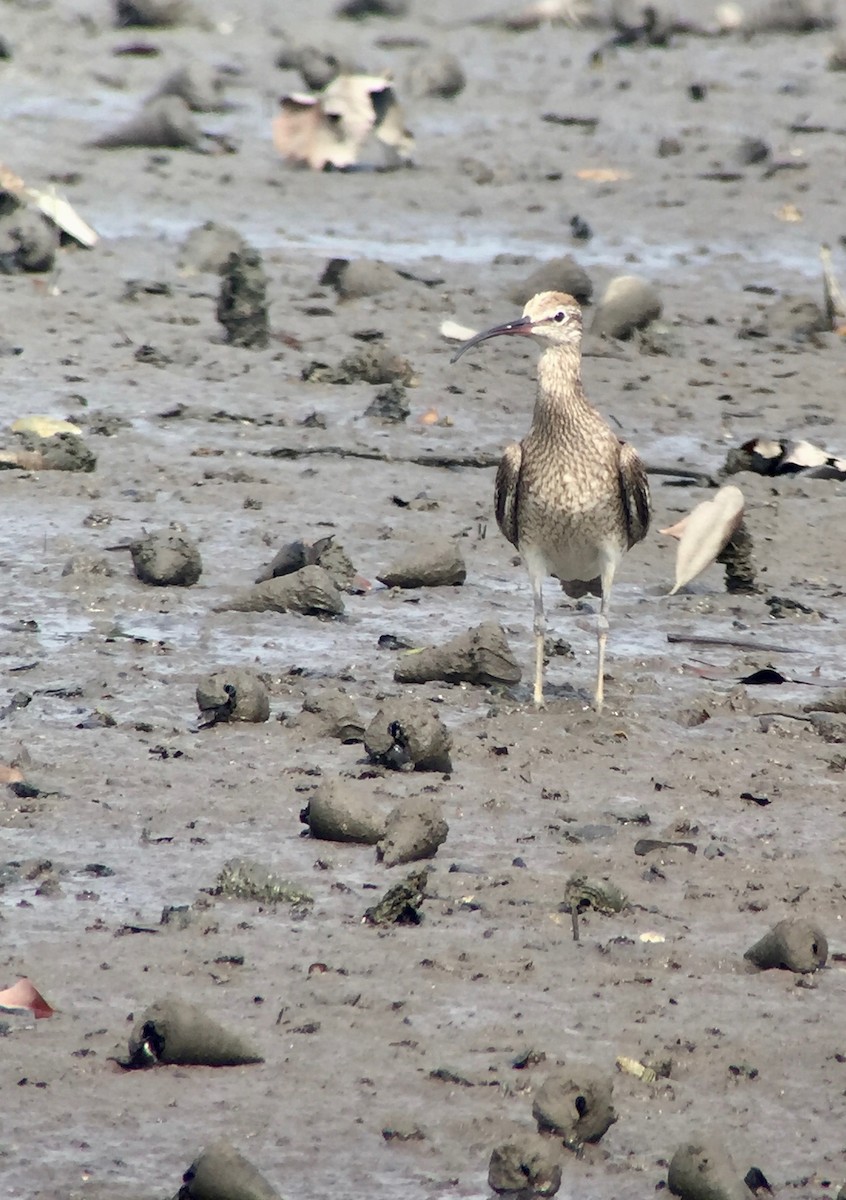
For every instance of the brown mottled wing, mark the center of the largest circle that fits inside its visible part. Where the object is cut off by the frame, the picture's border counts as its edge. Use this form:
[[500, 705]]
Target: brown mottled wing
[[634, 494], [506, 491]]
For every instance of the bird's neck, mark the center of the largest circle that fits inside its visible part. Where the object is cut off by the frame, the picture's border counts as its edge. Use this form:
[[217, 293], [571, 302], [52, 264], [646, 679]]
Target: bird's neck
[[560, 398]]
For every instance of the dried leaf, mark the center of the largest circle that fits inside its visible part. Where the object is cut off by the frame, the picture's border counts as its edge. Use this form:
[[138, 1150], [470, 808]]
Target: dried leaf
[[704, 532], [331, 127], [24, 997]]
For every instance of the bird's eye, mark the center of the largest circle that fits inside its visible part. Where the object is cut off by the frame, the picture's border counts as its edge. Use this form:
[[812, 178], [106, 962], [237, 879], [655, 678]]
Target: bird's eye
[[559, 316]]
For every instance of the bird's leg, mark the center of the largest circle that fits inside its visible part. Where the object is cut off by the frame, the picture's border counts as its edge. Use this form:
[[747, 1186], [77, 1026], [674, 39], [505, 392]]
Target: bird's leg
[[602, 627], [539, 627]]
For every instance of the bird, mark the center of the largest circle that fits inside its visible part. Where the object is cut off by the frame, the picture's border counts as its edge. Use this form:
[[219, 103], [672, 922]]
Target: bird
[[572, 497]]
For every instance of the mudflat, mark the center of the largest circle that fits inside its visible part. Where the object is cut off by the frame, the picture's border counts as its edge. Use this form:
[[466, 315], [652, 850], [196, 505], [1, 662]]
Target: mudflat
[[397, 1057]]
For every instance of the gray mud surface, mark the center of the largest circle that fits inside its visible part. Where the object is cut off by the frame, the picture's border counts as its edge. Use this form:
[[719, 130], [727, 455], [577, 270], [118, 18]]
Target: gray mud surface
[[414, 1029]]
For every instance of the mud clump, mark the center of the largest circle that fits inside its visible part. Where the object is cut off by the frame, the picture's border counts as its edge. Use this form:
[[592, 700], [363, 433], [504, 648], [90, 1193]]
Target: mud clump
[[413, 831], [481, 656], [435, 562], [796, 945], [575, 1105], [353, 278], [345, 811], [440, 75], [335, 715], [628, 304], [220, 1171], [390, 406], [59, 452], [165, 123], [524, 1166], [558, 275], [175, 1032], [232, 694], [409, 733], [242, 303], [702, 1170], [166, 559], [28, 243], [207, 249], [371, 364], [311, 591]]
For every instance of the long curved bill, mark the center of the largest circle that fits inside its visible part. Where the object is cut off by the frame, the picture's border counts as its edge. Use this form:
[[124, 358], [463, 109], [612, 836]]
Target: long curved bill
[[522, 325]]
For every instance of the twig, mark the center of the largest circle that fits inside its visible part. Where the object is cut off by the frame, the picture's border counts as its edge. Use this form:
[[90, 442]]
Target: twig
[[699, 639]]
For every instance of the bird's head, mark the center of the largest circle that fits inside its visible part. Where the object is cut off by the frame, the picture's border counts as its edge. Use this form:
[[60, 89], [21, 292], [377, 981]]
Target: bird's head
[[551, 316]]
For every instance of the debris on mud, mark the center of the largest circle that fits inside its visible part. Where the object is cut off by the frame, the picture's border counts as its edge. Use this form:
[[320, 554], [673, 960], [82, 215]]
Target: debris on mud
[[401, 904], [244, 879], [172, 1031], [59, 452], [778, 456], [353, 278], [409, 732], [558, 275], [331, 128], [480, 656], [164, 123], [242, 302], [374, 363], [208, 247], [330, 712], [704, 533], [293, 556]]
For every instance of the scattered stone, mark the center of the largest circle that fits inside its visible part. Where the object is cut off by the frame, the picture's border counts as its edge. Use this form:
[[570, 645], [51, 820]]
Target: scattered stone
[[558, 275], [390, 406], [242, 303], [836, 60], [401, 904], [175, 1032], [374, 363], [337, 714], [353, 278], [575, 1105], [791, 945], [208, 247], [166, 559], [44, 427], [165, 123], [581, 893], [28, 242], [438, 75], [232, 694], [831, 729], [525, 1166], [221, 1173], [669, 147], [435, 562], [345, 811], [481, 656], [243, 879], [414, 830], [701, 1170], [310, 590], [752, 150], [409, 732], [629, 303]]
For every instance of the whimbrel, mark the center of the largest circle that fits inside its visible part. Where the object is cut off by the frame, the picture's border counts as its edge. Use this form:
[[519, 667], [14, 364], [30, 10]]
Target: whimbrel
[[571, 496]]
